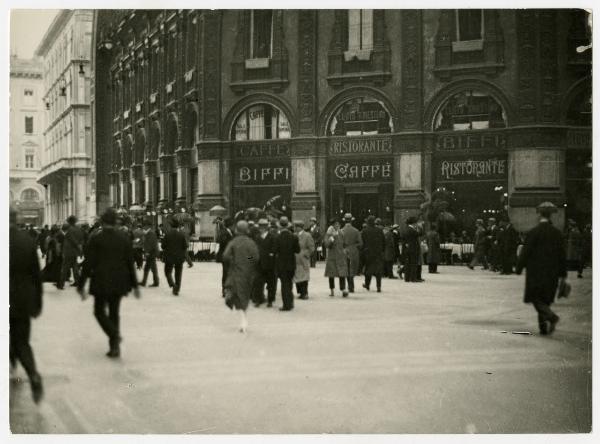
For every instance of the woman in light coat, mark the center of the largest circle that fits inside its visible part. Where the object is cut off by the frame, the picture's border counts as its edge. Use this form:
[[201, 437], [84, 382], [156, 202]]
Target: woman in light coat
[[307, 248], [337, 261]]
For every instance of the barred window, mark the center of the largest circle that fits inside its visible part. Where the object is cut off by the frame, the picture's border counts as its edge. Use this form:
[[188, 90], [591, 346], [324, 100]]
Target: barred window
[[260, 122], [360, 29], [261, 33], [469, 24], [28, 125]]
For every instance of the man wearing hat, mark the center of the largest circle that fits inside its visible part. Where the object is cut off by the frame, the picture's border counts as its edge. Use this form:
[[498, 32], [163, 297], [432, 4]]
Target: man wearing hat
[[352, 245], [479, 244], [544, 257], [315, 232], [307, 248], [266, 264], [286, 247], [413, 250], [373, 247], [174, 248]]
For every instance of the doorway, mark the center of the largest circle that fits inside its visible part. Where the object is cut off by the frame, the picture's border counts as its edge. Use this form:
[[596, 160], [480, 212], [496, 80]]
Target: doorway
[[362, 202]]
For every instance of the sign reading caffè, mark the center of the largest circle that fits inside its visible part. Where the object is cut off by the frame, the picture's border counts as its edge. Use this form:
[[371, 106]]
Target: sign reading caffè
[[472, 168], [267, 150], [358, 171], [362, 145], [471, 141], [277, 173]]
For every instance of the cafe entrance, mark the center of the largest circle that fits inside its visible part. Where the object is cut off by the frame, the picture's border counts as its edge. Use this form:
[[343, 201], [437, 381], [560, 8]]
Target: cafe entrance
[[362, 201]]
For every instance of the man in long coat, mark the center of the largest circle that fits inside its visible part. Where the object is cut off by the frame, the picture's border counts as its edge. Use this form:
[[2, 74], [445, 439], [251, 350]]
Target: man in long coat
[[508, 243], [307, 248], [174, 248], [336, 262], [72, 249], [373, 250], [286, 247], [413, 250], [352, 244], [434, 253], [150, 245], [265, 242], [25, 297], [388, 254], [544, 257], [224, 236], [315, 233], [110, 264], [241, 256]]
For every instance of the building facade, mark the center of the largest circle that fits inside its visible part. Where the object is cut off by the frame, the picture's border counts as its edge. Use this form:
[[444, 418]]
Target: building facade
[[318, 113], [67, 171], [26, 140]]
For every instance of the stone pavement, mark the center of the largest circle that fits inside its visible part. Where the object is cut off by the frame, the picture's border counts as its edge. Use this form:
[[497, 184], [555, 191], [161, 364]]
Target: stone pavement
[[417, 358]]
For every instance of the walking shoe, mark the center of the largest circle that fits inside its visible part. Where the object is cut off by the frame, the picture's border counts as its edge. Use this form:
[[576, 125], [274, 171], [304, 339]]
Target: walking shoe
[[331, 293], [344, 294], [553, 325], [303, 297], [143, 284], [175, 292], [37, 389], [285, 309], [544, 327], [269, 304], [366, 287], [154, 285], [114, 353], [379, 290]]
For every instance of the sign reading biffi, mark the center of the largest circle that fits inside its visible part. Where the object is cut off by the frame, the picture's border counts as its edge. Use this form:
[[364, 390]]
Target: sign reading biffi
[[471, 141], [356, 171], [260, 174]]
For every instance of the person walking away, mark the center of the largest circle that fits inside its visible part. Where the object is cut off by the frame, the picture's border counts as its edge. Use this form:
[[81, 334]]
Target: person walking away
[[307, 248], [183, 227], [25, 299], [373, 252], [336, 262], [150, 251], [479, 243], [508, 247], [51, 272], [266, 265], [574, 248], [352, 245], [174, 249], [138, 246], [72, 249], [224, 236], [544, 258], [413, 250], [388, 254], [41, 240], [111, 268], [315, 233], [286, 247], [434, 253], [242, 256]]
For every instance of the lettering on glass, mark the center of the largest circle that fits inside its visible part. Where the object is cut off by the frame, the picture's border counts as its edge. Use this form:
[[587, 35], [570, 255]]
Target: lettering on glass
[[380, 171], [470, 169], [263, 175], [470, 141], [361, 146]]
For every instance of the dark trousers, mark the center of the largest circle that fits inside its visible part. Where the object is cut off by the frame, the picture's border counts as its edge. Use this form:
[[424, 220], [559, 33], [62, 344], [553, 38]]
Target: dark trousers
[[150, 265], [419, 271], [342, 283], [350, 280], [479, 258], [433, 268], [507, 262], [169, 266], [19, 348], [377, 280], [388, 269], [264, 277], [287, 296], [69, 263], [313, 259], [410, 273], [188, 259], [108, 322], [544, 313], [138, 257], [302, 288], [225, 268]]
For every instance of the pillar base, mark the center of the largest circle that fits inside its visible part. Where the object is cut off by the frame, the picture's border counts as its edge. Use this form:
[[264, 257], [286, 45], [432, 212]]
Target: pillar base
[[304, 206], [407, 203], [522, 209]]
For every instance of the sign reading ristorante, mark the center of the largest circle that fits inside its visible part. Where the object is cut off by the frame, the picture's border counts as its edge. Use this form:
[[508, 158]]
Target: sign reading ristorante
[[362, 145], [472, 168], [363, 170]]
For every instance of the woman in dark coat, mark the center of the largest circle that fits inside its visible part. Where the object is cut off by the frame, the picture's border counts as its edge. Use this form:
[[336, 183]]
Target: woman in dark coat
[[373, 251], [434, 253]]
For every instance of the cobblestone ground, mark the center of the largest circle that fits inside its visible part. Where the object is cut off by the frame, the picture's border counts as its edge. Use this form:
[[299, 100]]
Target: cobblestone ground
[[435, 357]]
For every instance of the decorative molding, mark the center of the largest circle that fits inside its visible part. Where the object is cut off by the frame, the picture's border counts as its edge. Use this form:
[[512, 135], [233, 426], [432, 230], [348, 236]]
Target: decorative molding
[[307, 71], [528, 73], [183, 157], [412, 54], [166, 163], [548, 66], [151, 168], [209, 150], [211, 78]]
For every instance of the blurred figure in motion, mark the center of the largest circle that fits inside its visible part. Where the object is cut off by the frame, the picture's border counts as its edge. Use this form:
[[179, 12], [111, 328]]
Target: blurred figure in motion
[[25, 296]]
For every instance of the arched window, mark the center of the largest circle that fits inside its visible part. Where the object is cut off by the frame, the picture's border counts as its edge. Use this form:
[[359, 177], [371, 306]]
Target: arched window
[[30, 195], [139, 148], [261, 121], [470, 110], [580, 110], [360, 116]]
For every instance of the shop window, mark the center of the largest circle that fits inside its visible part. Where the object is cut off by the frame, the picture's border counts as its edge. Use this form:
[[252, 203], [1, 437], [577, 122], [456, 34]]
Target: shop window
[[28, 125], [580, 111], [261, 33], [470, 110], [260, 122], [361, 116], [29, 161], [360, 34], [30, 195]]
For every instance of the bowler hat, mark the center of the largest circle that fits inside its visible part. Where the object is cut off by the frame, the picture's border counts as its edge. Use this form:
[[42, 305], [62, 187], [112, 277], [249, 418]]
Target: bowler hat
[[283, 221], [348, 217], [299, 223], [263, 222], [546, 208]]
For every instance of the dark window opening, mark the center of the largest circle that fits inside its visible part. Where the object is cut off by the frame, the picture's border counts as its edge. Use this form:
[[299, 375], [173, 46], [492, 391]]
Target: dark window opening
[[469, 24], [29, 125], [261, 28], [469, 110]]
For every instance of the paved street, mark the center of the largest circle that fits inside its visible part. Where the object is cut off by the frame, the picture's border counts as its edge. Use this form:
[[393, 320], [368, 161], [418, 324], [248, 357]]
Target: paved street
[[417, 358]]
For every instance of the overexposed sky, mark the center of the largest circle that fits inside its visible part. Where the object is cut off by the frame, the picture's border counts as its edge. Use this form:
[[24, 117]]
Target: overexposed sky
[[27, 28]]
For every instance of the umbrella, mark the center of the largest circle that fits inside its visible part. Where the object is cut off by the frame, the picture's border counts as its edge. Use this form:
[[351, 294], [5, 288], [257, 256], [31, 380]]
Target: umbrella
[[217, 210]]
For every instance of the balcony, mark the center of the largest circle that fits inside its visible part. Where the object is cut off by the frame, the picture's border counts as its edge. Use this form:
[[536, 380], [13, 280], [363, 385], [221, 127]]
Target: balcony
[[63, 166]]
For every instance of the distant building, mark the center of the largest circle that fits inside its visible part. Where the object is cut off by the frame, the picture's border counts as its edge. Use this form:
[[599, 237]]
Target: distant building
[[26, 140], [67, 169], [321, 112]]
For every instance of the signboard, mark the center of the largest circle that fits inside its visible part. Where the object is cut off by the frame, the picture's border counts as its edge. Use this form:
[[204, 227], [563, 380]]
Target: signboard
[[266, 150], [579, 139], [361, 115], [370, 145], [472, 169], [277, 173], [471, 141], [360, 171]]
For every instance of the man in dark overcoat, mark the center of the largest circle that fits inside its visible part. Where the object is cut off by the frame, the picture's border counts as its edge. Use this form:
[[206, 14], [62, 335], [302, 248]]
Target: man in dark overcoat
[[111, 268], [174, 248], [508, 243], [150, 246], [315, 232], [544, 257], [413, 250], [266, 265], [72, 249], [286, 247], [25, 297], [224, 236], [352, 245], [434, 253], [373, 250]]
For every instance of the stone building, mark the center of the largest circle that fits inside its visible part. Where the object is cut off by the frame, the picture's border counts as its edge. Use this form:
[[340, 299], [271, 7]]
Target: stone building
[[25, 139], [68, 171], [322, 112]]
